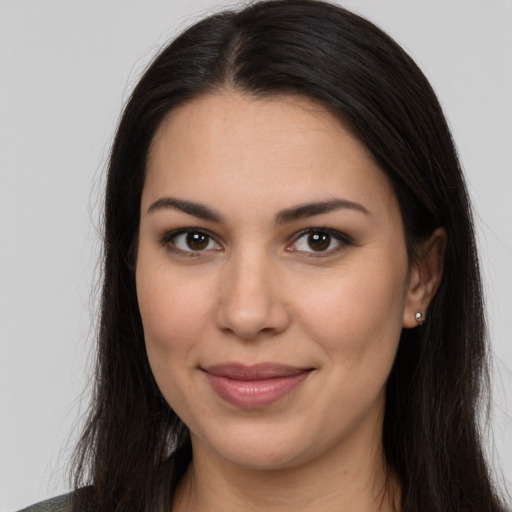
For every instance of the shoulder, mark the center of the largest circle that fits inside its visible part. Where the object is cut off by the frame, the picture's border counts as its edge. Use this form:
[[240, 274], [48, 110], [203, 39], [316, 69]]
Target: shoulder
[[58, 504]]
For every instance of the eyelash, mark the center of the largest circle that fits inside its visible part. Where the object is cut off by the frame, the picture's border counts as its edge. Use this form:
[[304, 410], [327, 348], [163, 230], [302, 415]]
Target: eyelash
[[342, 239], [167, 241]]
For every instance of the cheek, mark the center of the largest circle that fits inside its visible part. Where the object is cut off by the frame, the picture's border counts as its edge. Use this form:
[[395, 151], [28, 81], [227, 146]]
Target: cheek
[[174, 312], [356, 315]]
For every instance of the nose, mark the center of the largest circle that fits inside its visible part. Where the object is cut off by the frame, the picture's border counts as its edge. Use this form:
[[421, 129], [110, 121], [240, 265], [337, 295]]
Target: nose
[[251, 304]]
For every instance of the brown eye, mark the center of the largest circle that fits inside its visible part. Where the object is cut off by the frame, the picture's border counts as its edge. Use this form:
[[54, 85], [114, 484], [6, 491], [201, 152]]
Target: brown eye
[[191, 241], [197, 241], [319, 241]]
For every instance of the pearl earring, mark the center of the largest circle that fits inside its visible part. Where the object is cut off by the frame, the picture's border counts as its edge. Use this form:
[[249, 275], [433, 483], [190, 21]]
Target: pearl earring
[[419, 318]]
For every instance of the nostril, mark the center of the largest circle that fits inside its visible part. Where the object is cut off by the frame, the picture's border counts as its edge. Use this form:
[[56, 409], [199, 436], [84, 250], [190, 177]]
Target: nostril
[[251, 320]]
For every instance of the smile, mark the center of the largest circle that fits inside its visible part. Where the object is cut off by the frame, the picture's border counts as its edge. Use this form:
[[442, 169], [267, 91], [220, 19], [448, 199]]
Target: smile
[[251, 387]]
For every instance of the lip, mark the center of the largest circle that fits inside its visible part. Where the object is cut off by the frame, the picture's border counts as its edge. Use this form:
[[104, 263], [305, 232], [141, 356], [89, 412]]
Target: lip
[[250, 387]]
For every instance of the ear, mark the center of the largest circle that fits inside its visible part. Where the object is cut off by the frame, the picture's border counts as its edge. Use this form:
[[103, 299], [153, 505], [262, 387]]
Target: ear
[[424, 278]]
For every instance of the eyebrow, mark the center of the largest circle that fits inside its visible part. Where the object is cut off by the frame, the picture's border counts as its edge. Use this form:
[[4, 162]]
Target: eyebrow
[[285, 216], [318, 208], [192, 208]]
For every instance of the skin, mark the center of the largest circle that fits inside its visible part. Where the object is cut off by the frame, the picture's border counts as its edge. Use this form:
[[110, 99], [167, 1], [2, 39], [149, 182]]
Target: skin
[[258, 292]]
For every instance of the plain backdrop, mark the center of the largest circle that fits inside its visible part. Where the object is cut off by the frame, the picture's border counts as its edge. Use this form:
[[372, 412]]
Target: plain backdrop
[[65, 69]]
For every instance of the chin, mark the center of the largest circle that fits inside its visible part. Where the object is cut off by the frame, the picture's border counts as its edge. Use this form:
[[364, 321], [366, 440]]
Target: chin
[[267, 448], [264, 457]]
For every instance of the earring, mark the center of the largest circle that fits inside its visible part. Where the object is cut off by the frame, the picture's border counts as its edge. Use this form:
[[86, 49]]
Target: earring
[[419, 318]]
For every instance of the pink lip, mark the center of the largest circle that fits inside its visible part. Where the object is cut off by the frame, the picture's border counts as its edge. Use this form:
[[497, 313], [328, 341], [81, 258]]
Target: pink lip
[[255, 386]]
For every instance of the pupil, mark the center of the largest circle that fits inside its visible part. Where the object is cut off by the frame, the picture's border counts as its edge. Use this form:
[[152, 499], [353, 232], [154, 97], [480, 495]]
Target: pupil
[[319, 241], [197, 241]]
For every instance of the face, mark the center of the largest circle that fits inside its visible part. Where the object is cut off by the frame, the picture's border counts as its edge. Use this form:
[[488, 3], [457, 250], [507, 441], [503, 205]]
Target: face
[[272, 279]]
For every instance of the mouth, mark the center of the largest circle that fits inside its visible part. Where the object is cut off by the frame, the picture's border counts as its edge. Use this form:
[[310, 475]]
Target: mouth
[[256, 386]]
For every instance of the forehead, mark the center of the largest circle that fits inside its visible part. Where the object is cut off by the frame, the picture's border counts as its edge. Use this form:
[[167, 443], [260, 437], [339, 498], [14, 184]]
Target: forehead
[[284, 149]]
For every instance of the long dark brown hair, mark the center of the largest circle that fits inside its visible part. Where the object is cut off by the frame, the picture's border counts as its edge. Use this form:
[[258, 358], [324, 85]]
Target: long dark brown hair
[[134, 448]]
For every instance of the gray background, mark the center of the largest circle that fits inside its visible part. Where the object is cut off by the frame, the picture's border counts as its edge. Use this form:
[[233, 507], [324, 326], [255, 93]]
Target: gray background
[[65, 69]]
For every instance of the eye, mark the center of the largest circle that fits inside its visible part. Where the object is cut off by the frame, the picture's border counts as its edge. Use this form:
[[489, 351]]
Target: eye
[[320, 241], [189, 241]]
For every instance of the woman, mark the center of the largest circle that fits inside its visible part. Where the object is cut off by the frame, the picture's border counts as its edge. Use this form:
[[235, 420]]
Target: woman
[[285, 224]]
